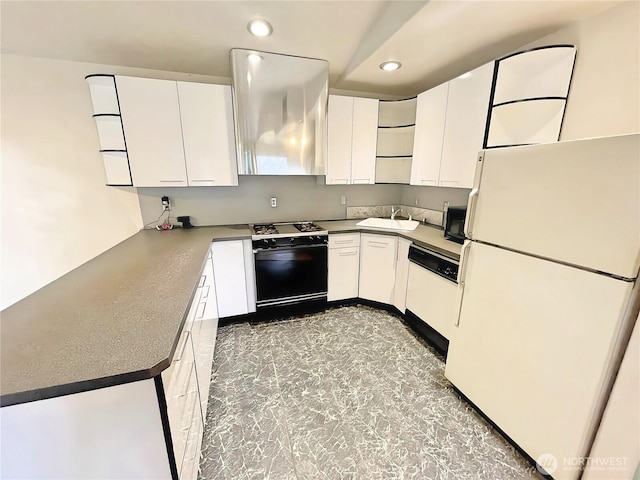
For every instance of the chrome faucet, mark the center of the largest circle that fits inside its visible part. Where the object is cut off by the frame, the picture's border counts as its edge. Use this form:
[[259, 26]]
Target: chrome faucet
[[394, 212]]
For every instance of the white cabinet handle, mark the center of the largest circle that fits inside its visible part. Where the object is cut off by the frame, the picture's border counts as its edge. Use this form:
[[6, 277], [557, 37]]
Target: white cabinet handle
[[184, 389], [203, 280], [347, 254], [193, 181], [378, 244], [200, 310], [464, 259], [471, 213], [181, 349], [344, 241], [172, 181], [205, 291]]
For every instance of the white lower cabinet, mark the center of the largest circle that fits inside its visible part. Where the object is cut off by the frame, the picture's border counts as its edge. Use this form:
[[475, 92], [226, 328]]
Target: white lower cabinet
[[234, 277], [377, 267], [80, 435], [402, 274], [343, 266], [432, 298]]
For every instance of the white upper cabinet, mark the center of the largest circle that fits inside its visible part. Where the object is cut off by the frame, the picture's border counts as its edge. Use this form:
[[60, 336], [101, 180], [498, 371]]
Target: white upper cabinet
[[363, 149], [535, 74], [207, 131], [106, 114], [396, 129], [339, 133], [178, 133], [153, 132], [352, 129], [530, 95], [466, 119], [431, 111]]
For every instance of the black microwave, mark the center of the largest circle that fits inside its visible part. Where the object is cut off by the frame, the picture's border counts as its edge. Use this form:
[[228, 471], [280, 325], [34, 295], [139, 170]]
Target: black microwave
[[454, 224]]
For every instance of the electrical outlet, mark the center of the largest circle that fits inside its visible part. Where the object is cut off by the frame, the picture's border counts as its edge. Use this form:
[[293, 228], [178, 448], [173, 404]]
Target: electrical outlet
[[165, 203], [274, 202], [343, 200], [445, 206]]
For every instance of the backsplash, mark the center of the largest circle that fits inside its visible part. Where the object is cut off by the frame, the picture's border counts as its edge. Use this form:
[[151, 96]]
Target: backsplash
[[432, 217], [298, 198]]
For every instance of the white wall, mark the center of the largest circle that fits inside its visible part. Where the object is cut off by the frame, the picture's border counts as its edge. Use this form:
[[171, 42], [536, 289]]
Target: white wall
[[56, 211], [605, 90]]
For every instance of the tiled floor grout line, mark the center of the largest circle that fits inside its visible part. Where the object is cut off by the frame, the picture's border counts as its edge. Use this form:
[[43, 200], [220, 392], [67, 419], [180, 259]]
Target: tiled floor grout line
[[284, 409]]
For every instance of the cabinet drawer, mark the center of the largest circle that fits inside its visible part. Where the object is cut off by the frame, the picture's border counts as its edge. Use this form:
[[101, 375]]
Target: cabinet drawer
[[344, 240]]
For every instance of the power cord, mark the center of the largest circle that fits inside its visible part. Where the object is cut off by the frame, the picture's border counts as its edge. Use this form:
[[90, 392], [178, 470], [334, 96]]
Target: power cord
[[157, 221]]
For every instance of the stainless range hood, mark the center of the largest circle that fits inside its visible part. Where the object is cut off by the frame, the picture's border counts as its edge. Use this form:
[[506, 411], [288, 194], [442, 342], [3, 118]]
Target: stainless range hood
[[280, 113]]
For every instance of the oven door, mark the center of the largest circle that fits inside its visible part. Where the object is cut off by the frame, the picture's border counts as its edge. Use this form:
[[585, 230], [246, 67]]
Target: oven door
[[290, 274]]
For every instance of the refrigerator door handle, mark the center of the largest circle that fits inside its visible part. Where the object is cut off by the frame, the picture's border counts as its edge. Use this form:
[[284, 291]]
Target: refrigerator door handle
[[464, 256], [471, 213]]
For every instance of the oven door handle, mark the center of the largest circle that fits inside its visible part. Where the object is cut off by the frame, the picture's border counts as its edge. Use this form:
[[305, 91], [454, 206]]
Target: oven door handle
[[295, 247]]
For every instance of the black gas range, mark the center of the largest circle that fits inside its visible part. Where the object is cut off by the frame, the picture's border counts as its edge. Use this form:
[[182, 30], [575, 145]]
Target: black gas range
[[290, 262]]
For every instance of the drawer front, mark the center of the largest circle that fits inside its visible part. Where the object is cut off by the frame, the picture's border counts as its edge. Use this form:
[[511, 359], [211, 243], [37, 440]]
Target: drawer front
[[342, 240]]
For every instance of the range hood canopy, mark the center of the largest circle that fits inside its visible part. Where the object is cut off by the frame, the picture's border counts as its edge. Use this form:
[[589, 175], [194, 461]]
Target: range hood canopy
[[280, 113]]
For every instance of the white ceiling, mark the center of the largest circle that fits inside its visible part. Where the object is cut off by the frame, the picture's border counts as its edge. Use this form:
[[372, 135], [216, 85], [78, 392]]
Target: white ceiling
[[435, 40]]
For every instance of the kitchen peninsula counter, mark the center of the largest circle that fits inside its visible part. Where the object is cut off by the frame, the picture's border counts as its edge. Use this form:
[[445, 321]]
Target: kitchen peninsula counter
[[113, 320], [117, 318]]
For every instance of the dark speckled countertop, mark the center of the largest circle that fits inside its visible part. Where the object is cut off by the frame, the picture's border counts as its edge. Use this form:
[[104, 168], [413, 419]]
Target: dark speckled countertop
[[117, 318], [114, 319]]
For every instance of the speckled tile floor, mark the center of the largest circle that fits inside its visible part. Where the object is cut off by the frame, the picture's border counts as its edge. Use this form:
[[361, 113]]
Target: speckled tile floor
[[350, 393]]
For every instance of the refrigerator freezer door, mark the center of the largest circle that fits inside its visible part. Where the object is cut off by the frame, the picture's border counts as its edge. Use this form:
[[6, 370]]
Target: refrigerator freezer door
[[576, 202], [532, 346]]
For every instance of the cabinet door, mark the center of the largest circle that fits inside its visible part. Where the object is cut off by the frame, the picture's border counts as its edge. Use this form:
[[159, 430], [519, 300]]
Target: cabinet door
[[207, 132], [365, 135], [377, 267], [343, 266], [431, 111], [402, 273], [467, 109], [339, 139], [228, 272], [152, 129]]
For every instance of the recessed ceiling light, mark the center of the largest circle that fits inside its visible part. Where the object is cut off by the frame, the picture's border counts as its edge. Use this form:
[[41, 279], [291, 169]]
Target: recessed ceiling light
[[260, 27], [390, 66]]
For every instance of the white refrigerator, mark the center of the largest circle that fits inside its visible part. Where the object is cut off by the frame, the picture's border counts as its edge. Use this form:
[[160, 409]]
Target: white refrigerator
[[548, 291]]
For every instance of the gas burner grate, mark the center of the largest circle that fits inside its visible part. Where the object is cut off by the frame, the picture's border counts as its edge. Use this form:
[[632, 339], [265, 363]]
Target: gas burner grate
[[266, 229], [307, 227]]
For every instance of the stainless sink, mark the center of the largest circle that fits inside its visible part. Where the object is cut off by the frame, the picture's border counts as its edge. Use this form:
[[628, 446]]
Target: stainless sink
[[388, 223]]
